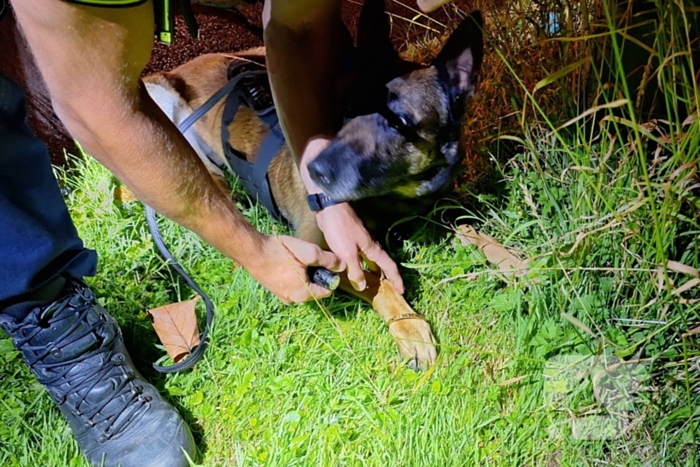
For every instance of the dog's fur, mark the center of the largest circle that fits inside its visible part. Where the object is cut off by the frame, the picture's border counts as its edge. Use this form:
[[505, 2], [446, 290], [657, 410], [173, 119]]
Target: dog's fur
[[368, 163]]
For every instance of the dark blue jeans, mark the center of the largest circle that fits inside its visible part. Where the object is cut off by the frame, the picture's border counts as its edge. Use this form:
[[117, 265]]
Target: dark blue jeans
[[39, 245]]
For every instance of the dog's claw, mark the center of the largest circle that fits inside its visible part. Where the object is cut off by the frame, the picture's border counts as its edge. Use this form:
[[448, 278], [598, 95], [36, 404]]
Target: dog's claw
[[416, 343]]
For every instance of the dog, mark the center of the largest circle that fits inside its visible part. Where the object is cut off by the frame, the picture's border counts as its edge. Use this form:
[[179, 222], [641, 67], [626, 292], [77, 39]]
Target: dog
[[399, 147]]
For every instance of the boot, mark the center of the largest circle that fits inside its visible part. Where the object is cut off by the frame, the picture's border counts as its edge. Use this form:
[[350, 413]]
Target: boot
[[77, 352]]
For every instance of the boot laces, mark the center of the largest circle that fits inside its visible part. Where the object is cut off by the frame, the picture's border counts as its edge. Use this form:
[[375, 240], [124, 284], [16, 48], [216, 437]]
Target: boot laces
[[103, 356]]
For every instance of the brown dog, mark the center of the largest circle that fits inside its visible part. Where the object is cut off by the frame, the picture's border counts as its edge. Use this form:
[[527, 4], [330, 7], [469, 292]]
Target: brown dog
[[402, 146]]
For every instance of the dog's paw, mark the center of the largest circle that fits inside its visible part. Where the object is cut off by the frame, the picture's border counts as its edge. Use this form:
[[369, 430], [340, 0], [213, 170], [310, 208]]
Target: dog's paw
[[410, 330], [415, 340]]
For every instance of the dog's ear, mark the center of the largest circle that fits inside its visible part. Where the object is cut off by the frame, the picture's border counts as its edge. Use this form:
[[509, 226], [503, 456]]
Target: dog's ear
[[463, 53], [374, 47]]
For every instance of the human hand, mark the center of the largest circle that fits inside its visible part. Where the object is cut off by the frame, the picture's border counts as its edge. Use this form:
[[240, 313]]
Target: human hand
[[347, 237], [282, 268], [345, 234], [427, 6]]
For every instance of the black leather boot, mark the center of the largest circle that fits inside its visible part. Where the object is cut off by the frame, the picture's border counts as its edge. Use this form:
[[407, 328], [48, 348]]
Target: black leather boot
[[76, 351]]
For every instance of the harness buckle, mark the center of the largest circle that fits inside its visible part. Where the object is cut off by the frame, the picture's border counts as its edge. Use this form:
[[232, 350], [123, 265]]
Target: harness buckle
[[257, 93]]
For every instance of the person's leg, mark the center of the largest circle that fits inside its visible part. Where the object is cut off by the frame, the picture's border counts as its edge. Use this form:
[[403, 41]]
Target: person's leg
[[73, 347], [39, 245]]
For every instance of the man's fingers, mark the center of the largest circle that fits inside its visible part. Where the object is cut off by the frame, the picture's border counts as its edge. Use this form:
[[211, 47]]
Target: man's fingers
[[356, 275], [319, 292], [329, 260], [284, 300], [387, 265], [310, 254], [371, 265], [302, 295]]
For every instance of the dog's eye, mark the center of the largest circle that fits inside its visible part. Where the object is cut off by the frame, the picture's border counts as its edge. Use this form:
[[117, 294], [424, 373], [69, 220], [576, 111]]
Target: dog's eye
[[400, 121]]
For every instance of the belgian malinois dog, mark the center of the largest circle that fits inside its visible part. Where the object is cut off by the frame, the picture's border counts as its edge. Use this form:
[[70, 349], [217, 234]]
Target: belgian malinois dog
[[399, 144]]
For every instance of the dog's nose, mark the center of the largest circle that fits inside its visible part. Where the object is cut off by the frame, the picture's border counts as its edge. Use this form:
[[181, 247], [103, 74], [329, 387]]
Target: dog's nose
[[321, 172]]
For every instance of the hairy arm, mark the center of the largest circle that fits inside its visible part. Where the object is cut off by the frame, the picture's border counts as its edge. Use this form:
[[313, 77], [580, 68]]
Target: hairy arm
[[303, 45], [91, 59], [303, 56]]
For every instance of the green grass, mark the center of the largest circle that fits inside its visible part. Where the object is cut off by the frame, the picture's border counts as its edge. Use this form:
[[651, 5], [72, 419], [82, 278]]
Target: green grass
[[595, 206], [303, 385]]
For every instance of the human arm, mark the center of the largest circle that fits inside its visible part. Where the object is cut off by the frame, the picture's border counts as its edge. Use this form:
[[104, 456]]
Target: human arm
[[303, 55], [91, 59]]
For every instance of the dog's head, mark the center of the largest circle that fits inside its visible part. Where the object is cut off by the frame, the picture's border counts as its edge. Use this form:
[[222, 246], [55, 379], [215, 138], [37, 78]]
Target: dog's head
[[409, 145]]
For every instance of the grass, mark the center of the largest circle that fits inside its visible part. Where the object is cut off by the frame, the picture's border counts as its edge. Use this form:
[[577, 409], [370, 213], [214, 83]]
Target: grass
[[607, 211]]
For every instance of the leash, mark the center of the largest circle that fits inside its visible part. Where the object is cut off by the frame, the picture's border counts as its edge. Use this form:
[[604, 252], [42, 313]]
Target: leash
[[152, 222], [198, 352], [253, 177]]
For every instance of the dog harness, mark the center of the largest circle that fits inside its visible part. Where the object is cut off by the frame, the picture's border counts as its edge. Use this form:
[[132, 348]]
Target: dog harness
[[248, 85]]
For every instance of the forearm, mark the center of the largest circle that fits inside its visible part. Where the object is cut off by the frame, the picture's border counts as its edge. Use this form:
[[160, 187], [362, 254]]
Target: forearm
[[145, 151], [91, 59], [302, 38]]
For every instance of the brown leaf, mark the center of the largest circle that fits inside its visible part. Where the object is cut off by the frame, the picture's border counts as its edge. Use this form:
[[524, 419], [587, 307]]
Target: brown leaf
[[691, 118], [495, 252], [691, 284], [176, 326], [511, 381], [682, 268], [123, 194]]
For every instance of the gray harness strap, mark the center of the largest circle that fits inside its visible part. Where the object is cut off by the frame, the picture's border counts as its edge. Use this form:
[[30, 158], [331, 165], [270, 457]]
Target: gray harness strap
[[254, 91], [248, 85]]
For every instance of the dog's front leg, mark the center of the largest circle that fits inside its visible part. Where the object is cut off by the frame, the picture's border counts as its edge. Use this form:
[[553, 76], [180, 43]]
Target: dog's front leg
[[409, 329]]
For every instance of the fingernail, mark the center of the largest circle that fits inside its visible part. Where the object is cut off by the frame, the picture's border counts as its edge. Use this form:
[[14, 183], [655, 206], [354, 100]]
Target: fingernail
[[361, 286]]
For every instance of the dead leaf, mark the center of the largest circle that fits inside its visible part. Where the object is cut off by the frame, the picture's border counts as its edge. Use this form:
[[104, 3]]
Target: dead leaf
[[661, 280], [692, 332], [692, 283], [511, 381], [682, 268], [691, 118], [123, 194], [495, 253], [675, 266], [176, 326]]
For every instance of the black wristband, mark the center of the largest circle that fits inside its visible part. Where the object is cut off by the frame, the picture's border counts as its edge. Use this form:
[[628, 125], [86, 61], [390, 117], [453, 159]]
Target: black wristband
[[319, 201]]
